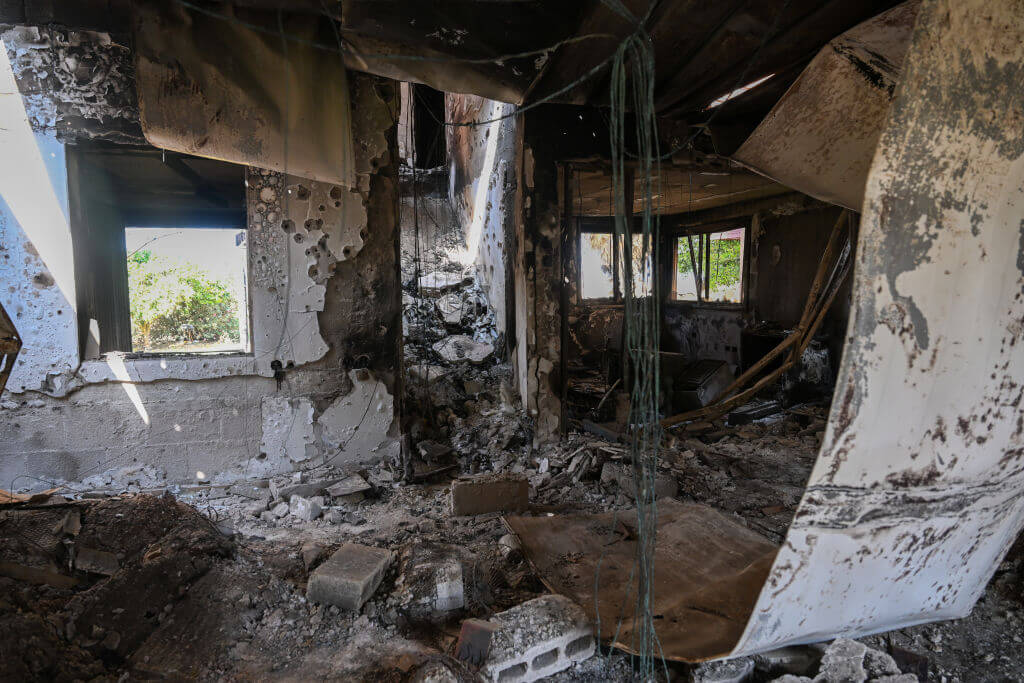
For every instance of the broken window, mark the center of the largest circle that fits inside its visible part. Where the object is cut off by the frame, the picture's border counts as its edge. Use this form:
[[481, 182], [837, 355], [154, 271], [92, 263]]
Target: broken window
[[709, 266], [598, 262], [160, 250]]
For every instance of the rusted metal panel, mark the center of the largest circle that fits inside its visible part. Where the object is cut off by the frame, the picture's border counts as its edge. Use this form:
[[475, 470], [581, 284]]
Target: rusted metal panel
[[219, 89], [821, 136], [916, 495]]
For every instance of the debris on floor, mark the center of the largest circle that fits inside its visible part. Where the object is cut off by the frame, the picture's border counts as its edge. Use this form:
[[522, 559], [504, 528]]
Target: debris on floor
[[184, 600]]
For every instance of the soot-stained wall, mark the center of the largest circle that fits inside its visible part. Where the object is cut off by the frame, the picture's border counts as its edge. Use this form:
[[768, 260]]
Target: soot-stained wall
[[324, 292], [484, 165]]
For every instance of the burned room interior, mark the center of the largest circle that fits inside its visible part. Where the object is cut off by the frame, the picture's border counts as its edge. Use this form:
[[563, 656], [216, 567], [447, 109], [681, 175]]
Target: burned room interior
[[512, 340]]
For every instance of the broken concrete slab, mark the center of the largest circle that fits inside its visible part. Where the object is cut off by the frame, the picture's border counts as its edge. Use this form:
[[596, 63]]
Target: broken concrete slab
[[489, 493], [348, 486], [306, 509], [729, 671], [843, 661], [452, 307], [349, 577], [438, 282], [538, 638], [461, 347]]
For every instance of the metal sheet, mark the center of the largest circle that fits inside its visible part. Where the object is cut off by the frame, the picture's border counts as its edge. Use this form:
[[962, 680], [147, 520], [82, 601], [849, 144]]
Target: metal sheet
[[219, 89], [708, 570], [821, 136], [916, 494]]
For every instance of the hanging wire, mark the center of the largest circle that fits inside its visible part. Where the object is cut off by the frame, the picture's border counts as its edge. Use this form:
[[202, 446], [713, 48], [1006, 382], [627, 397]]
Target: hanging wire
[[632, 87]]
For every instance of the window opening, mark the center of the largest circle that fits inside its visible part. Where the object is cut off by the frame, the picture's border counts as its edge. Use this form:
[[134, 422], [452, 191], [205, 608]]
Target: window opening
[[187, 289], [709, 266], [596, 266]]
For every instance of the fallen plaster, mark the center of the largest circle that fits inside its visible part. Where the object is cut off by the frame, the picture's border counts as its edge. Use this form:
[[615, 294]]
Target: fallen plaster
[[358, 427], [288, 437]]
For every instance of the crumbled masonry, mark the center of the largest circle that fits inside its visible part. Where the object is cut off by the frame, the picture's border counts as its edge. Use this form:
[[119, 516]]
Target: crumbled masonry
[[349, 577]]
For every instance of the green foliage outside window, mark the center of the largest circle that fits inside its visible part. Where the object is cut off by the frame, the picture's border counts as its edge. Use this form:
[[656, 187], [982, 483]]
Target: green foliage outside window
[[171, 304], [725, 266]]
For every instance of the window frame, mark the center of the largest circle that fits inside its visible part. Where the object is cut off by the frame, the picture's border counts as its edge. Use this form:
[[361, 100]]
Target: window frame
[[88, 230], [743, 223]]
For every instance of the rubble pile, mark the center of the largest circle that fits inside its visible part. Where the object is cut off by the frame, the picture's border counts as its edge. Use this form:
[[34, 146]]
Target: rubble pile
[[84, 584], [373, 578]]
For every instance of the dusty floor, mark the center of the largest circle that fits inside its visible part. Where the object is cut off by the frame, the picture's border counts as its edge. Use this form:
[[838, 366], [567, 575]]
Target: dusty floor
[[200, 605]]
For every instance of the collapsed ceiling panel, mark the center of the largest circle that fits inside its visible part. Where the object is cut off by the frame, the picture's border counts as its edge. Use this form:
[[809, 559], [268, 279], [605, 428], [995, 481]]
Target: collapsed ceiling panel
[[676, 189], [916, 494], [821, 136], [214, 87]]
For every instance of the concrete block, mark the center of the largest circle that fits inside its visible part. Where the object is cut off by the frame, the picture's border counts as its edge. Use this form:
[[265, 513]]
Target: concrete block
[[728, 671], [489, 493], [306, 509], [349, 577], [538, 638]]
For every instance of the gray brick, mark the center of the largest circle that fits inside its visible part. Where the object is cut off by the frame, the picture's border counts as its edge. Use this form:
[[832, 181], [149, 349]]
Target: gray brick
[[349, 577], [538, 638]]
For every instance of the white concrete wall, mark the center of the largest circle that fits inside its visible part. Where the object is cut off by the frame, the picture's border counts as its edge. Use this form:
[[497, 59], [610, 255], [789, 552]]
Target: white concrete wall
[[227, 416]]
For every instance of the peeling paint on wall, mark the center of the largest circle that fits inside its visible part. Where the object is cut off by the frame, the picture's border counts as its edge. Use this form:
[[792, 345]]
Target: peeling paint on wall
[[285, 298], [329, 282], [38, 285], [359, 427], [288, 438]]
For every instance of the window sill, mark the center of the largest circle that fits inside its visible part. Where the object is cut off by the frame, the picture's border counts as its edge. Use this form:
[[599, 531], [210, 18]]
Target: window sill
[[135, 368]]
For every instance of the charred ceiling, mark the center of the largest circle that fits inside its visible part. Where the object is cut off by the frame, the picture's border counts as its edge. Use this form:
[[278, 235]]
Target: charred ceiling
[[531, 51]]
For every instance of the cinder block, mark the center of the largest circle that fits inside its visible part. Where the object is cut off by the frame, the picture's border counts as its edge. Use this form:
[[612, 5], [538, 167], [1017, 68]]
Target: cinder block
[[489, 493], [431, 581], [538, 638], [349, 577]]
